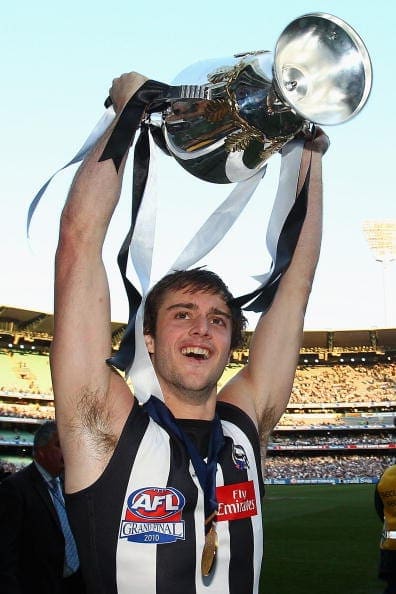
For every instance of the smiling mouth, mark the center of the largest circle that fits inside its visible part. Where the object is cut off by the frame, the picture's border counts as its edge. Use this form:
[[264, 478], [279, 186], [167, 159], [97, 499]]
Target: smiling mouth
[[195, 352]]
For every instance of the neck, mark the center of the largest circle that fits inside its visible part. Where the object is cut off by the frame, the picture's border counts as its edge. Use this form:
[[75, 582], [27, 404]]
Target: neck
[[191, 407]]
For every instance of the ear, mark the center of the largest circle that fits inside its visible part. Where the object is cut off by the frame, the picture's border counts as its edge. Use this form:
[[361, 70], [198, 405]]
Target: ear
[[150, 343], [38, 454]]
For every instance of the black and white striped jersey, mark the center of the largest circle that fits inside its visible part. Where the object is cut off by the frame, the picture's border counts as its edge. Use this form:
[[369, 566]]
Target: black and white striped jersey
[[140, 526]]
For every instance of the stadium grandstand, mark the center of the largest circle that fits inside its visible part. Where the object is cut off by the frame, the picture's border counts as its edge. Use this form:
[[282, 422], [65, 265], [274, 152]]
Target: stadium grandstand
[[339, 425]]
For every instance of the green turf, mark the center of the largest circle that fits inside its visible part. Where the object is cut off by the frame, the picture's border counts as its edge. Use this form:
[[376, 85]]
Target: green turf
[[320, 539]]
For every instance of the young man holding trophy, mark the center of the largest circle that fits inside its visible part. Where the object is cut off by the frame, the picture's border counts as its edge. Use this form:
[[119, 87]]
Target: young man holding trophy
[[166, 496], [163, 473]]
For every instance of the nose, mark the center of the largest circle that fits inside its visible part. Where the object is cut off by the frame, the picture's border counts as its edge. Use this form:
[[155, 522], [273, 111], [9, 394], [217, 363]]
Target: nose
[[200, 326]]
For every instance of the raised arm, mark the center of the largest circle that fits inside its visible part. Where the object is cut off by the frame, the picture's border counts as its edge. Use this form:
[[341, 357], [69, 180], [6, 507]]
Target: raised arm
[[263, 386], [91, 401]]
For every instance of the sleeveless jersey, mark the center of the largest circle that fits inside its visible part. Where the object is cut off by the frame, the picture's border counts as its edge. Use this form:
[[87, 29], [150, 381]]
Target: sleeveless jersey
[[386, 488], [140, 526]]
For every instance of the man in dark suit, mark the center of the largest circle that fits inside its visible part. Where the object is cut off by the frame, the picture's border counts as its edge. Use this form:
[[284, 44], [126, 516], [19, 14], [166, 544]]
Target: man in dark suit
[[37, 554]]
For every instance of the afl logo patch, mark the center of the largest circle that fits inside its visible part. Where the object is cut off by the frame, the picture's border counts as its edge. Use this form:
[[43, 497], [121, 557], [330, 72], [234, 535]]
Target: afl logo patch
[[239, 457], [154, 515]]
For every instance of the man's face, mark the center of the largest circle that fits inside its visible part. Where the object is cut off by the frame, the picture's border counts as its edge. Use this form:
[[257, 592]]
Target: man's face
[[192, 343], [50, 456]]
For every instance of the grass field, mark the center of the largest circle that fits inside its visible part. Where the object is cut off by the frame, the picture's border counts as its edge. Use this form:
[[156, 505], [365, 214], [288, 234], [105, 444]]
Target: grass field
[[320, 539]]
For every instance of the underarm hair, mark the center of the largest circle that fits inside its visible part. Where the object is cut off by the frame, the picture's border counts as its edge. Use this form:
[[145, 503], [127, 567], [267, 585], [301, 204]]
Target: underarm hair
[[93, 415], [265, 426]]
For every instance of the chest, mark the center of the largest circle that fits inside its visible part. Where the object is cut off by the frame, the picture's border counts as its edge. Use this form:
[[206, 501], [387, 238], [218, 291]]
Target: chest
[[164, 493]]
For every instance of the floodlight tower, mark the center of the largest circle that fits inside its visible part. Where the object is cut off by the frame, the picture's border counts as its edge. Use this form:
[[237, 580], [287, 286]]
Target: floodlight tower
[[381, 238]]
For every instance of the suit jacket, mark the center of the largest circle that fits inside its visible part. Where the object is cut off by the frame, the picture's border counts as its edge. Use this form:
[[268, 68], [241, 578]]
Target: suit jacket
[[32, 545]]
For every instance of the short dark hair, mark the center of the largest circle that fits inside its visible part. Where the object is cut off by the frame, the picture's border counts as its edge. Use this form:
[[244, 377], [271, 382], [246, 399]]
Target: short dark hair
[[44, 434], [194, 280]]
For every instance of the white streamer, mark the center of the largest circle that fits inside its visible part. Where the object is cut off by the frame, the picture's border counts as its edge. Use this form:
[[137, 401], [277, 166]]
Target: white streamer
[[141, 372], [284, 200], [92, 139]]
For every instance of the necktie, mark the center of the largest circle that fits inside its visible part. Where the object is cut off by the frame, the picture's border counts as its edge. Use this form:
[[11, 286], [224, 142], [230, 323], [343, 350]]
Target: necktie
[[71, 555]]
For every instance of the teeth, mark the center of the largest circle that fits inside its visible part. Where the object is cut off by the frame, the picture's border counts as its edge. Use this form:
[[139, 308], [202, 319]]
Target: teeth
[[196, 351]]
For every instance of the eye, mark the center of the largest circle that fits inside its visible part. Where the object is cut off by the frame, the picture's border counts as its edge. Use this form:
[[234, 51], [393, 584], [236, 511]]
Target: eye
[[182, 315], [218, 322]]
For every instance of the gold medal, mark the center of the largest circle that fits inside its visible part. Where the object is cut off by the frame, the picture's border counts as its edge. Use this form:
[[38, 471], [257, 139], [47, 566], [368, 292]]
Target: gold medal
[[209, 551]]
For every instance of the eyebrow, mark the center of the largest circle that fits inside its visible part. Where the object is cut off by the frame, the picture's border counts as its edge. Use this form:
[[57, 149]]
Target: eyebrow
[[193, 306]]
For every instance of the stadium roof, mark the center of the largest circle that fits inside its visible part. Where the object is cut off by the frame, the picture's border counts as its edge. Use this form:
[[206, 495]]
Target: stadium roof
[[15, 321], [25, 321]]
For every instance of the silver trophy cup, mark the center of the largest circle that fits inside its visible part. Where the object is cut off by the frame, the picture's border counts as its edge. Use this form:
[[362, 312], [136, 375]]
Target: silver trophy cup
[[230, 115]]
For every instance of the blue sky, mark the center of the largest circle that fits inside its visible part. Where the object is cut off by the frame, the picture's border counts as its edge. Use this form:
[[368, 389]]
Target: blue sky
[[58, 62]]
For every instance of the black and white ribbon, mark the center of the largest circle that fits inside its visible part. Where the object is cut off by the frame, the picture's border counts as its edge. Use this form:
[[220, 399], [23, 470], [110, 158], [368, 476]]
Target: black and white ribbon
[[92, 139], [137, 249], [140, 370]]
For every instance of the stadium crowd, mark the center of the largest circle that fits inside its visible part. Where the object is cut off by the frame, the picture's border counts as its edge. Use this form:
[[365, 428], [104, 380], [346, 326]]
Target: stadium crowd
[[32, 410], [7, 468], [329, 439], [325, 467], [26, 394], [330, 420], [319, 384], [345, 383], [292, 468]]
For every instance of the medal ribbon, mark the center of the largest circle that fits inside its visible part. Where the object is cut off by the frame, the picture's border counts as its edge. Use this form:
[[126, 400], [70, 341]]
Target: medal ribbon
[[206, 471]]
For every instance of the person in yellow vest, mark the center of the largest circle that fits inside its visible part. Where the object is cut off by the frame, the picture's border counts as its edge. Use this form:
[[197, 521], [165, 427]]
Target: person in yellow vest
[[385, 505]]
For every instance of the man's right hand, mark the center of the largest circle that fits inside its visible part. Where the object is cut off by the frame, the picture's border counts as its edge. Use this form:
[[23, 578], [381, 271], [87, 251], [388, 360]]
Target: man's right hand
[[124, 87]]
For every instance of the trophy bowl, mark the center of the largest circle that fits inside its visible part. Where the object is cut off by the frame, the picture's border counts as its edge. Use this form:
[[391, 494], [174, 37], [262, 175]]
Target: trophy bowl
[[234, 113]]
